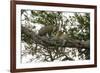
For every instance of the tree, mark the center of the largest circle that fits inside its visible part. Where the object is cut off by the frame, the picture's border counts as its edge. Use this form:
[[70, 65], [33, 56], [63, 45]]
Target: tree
[[62, 36]]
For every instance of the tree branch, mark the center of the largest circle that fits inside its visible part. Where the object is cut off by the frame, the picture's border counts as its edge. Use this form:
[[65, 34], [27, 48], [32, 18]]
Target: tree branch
[[45, 41]]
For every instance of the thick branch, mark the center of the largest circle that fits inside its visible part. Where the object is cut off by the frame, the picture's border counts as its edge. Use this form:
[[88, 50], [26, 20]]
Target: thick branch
[[45, 41]]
